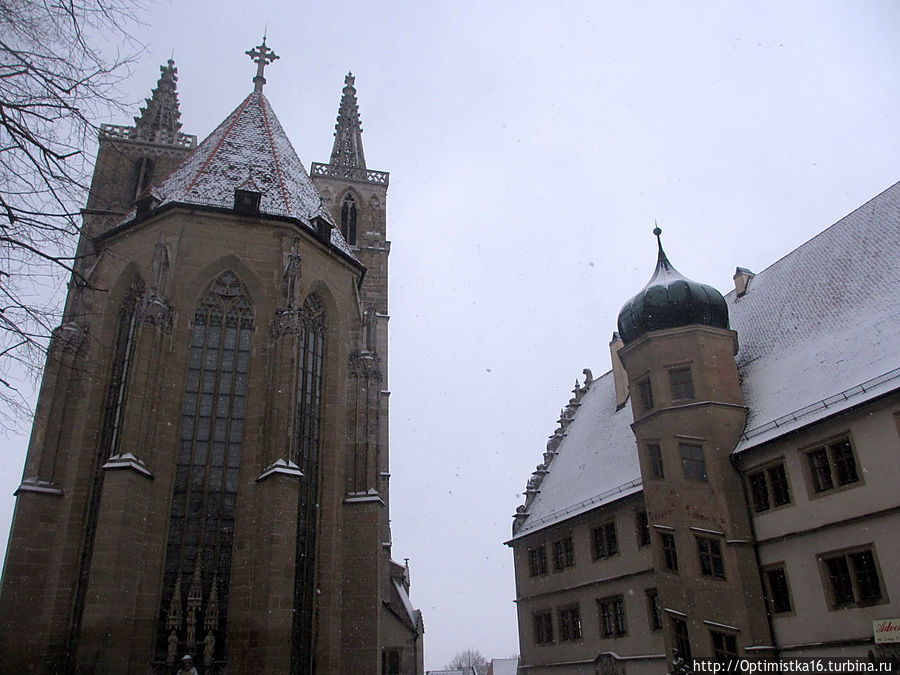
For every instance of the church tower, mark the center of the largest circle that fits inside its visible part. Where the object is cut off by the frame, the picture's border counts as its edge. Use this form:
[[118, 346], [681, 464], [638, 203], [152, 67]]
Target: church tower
[[208, 468], [689, 413]]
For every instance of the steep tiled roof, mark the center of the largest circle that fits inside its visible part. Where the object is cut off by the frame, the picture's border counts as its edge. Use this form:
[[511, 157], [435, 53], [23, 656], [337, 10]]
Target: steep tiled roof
[[818, 330], [249, 148], [818, 333]]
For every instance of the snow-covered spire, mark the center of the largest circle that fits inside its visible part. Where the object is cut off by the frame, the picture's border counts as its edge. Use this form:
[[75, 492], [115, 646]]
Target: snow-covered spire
[[348, 148], [158, 121]]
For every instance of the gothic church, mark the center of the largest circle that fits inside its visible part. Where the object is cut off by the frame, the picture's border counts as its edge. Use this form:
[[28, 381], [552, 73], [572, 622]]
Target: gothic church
[[208, 469]]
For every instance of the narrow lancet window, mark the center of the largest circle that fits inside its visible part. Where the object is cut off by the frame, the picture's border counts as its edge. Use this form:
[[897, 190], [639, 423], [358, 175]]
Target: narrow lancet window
[[311, 348], [194, 604], [348, 219]]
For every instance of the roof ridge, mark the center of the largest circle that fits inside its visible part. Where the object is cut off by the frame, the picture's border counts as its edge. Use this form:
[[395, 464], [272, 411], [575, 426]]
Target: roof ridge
[[237, 116], [265, 112]]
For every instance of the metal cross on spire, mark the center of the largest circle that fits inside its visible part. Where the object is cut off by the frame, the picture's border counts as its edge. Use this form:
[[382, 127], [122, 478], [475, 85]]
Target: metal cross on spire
[[263, 56]]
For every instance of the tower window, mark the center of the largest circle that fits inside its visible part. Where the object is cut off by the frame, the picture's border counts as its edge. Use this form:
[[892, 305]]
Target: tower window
[[681, 384], [654, 610], [670, 554], [642, 525], [645, 394], [656, 461], [724, 646], [692, 461], [710, 553], [348, 219], [681, 638]]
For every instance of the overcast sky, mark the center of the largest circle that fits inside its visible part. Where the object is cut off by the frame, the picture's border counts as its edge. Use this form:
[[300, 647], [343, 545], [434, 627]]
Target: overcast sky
[[531, 146]]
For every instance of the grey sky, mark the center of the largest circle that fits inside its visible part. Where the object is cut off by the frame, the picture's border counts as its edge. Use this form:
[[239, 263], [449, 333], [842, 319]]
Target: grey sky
[[531, 145]]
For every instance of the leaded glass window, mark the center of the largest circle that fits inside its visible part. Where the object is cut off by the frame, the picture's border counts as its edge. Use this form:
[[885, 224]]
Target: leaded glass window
[[201, 525], [311, 355]]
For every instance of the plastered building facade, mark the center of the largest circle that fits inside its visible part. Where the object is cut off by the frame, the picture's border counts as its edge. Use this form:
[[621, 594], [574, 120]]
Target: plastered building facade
[[727, 489], [208, 472]]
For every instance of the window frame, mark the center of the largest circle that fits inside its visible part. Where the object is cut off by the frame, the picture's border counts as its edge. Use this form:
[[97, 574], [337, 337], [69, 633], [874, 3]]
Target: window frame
[[728, 650], [712, 562], [563, 553], [760, 483], [850, 559], [682, 390], [569, 618], [645, 393], [772, 592], [604, 541], [669, 550], [690, 465], [681, 637], [821, 466], [542, 624], [612, 616], [537, 560], [654, 610], [655, 459], [642, 529]]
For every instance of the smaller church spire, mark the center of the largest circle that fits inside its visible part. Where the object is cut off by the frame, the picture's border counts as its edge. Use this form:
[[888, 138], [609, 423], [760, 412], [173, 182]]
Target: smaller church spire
[[263, 56], [158, 121], [348, 147]]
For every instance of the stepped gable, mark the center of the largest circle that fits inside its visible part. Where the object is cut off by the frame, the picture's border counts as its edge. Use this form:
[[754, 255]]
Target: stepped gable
[[594, 463], [248, 147], [818, 329]]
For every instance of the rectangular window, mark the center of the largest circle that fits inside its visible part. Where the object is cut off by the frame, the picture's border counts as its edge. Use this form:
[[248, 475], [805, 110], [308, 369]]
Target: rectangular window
[[543, 628], [710, 552], [681, 639], [654, 610], [656, 463], [681, 384], [769, 487], [537, 560], [390, 662], [853, 579], [779, 593], [563, 554], [692, 461], [612, 617], [642, 524], [645, 394], [569, 624], [605, 542], [724, 646], [670, 555], [832, 465]]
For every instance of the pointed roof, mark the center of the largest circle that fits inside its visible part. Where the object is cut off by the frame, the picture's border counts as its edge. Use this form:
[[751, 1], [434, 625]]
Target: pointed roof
[[348, 148], [158, 121], [249, 148]]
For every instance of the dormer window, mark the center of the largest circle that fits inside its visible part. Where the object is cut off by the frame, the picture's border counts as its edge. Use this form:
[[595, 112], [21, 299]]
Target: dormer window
[[348, 220], [246, 201]]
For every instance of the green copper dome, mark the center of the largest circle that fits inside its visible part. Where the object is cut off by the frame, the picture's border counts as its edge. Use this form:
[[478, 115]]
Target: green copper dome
[[669, 300]]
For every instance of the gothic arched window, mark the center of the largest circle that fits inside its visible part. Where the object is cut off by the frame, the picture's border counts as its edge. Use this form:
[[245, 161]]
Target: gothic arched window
[[201, 526], [348, 219], [311, 348]]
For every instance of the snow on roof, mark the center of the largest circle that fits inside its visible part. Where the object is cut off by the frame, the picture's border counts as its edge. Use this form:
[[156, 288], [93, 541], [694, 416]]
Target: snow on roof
[[817, 331], [249, 148], [597, 461]]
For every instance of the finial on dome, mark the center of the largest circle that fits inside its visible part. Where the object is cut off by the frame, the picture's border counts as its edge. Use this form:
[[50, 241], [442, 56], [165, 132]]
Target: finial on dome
[[263, 56]]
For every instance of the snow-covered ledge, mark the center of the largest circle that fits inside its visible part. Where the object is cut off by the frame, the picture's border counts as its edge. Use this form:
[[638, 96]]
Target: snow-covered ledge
[[128, 461], [43, 487], [371, 495], [283, 466]]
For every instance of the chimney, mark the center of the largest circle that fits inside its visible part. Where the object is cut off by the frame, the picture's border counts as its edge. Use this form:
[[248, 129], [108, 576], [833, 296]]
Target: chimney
[[620, 377], [742, 277]]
